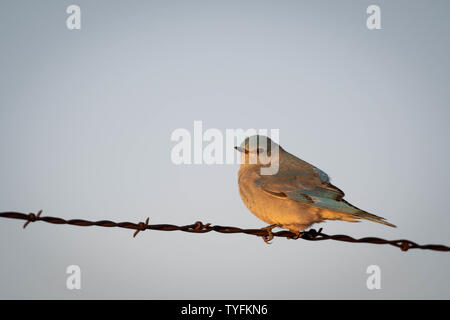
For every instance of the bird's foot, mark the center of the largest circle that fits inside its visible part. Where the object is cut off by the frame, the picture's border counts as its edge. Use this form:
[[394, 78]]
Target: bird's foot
[[311, 233], [267, 238], [298, 234]]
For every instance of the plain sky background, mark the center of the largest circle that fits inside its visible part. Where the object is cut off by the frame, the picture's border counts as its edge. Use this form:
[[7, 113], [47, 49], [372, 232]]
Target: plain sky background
[[86, 118]]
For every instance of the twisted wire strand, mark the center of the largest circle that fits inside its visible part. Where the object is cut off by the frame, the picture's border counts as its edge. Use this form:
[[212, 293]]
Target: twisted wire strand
[[199, 227]]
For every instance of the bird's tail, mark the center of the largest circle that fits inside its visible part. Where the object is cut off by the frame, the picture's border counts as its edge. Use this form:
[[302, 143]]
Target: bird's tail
[[349, 212], [371, 217]]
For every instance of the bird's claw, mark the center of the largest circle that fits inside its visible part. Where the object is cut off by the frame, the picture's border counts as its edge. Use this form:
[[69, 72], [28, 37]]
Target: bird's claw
[[267, 238], [298, 235]]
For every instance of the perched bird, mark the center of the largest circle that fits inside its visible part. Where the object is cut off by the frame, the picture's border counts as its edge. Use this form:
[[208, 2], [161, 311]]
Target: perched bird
[[297, 195]]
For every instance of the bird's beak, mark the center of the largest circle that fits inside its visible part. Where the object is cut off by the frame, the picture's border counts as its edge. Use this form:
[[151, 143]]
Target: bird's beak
[[240, 149]]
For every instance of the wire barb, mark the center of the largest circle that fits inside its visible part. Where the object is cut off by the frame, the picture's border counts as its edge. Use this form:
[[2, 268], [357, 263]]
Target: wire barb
[[199, 227], [141, 226], [32, 218]]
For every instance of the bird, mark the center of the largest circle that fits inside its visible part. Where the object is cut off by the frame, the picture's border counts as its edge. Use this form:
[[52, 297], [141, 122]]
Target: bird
[[296, 196]]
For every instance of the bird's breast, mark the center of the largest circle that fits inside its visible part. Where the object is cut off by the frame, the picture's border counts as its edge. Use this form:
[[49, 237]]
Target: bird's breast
[[269, 208]]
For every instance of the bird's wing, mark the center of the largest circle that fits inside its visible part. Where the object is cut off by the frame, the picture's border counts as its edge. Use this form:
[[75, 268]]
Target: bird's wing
[[308, 184], [300, 177]]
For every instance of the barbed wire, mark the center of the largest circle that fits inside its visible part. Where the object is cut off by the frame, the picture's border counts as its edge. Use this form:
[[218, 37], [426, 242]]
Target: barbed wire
[[199, 227]]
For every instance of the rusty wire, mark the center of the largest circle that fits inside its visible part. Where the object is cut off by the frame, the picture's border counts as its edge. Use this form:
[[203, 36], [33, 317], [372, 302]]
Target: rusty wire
[[199, 227]]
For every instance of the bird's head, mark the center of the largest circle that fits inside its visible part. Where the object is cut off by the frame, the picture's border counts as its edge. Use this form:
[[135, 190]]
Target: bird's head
[[258, 150]]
